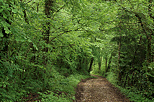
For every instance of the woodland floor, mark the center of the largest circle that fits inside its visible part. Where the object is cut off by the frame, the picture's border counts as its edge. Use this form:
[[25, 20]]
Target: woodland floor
[[98, 90]]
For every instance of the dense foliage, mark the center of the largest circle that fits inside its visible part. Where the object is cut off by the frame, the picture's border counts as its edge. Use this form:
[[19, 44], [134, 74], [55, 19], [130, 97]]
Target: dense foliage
[[47, 46], [130, 64]]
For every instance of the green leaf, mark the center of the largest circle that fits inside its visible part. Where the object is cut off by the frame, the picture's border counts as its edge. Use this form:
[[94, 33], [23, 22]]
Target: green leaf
[[1, 34], [20, 39], [14, 10], [35, 46], [4, 15], [7, 31], [1, 10], [29, 40]]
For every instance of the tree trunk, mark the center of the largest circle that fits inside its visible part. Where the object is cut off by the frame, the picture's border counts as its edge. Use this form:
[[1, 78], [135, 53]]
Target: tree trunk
[[91, 63], [48, 12], [105, 63], [149, 48], [100, 63], [108, 67], [119, 53], [5, 37], [150, 36]]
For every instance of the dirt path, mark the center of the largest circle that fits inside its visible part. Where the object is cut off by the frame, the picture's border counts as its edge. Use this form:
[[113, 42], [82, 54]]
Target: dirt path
[[98, 90]]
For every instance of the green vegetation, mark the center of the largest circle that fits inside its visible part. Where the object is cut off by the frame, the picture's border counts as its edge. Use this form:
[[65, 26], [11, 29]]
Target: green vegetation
[[48, 46]]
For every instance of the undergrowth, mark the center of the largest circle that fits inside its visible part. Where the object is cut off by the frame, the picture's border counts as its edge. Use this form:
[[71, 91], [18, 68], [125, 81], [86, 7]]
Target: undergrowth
[[132, 93], [64, 90]]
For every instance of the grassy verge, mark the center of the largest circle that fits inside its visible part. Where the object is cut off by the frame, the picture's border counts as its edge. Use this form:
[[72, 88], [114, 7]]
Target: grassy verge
[[130, 92], [64, 90], [134, 95]]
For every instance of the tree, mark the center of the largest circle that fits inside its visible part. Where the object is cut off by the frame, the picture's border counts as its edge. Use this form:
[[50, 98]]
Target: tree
[[6, 18]]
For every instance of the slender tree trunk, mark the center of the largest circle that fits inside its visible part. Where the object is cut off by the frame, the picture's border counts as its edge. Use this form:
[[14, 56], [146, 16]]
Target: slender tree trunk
[[119, 53], [146, 30], [149, 48], [108, 67], [106, 64], [91, 63], [38, 7], [48, 9], [48, 12], [150, 36], [100, 63]]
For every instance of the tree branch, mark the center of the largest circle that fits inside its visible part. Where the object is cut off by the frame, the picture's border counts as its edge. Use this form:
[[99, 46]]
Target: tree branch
[[28, 1], [138, 15], [64, 33], [58, 11]]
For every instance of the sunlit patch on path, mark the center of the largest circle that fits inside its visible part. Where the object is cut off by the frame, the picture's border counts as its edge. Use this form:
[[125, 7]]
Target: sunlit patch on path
[[98, 90]]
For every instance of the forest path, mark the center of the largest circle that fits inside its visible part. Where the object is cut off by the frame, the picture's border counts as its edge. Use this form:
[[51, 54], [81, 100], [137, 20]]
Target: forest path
[[98, 90]]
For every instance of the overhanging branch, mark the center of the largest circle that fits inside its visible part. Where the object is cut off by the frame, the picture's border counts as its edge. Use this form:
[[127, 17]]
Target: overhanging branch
[[64, 33], [58, 11]]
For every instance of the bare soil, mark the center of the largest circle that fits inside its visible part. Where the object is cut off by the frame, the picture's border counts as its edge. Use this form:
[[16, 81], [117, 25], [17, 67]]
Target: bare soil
[[98, 90]]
